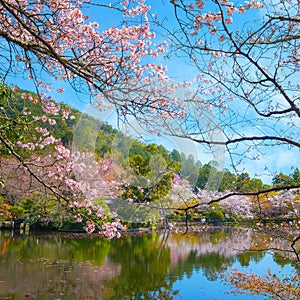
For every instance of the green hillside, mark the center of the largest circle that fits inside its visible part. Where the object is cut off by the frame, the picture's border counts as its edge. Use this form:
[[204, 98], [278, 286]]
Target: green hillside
[[134, 157], [145, 171]]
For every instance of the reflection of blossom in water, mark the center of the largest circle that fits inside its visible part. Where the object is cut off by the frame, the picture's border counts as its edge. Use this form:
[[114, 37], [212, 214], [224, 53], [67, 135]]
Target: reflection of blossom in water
[[222, 243], [228, 244]]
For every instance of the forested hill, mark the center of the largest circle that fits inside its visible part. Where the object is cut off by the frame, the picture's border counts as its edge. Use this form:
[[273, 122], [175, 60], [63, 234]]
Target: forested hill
[[63, 128], [105, 141]]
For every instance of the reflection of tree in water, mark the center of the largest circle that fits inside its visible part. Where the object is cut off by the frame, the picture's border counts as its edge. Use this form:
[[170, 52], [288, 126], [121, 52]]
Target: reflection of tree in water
[[53, 267], [92, 250], [128, 268], [283, 261], [211, 252], [150, 264], [55, 249], [144, 268], [209, 263], [4, 243], [246, 257]]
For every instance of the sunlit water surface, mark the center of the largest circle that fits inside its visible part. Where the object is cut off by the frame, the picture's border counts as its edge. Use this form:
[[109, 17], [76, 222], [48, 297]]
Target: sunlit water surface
[[154, 266]]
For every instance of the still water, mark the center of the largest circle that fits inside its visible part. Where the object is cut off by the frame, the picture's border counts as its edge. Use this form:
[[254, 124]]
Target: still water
[[154, 266]]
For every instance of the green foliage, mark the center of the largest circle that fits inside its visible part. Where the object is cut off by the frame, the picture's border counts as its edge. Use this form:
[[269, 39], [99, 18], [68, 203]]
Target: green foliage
[[152, 169], [209, 177], [175, 155], [215, 215], [16, 211], [295, 176], [285, 180], [246, 184], [203, 176], [213, 179], [149, 168], [94, 136], [228, 181], [103, 204], [189, 169], [139, 164], [43, 210], [13, 125], [156, 191]]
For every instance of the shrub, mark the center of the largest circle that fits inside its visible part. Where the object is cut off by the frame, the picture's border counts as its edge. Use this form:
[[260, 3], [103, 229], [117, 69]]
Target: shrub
[[215, 215], [5, 214]]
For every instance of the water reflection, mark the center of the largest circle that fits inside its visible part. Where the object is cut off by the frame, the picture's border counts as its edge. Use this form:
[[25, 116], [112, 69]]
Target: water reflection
[[147, 267]]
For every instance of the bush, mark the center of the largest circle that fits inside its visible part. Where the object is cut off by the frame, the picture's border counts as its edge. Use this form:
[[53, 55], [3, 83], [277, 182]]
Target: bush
[[5, 214], [16, 211], [215, 215]]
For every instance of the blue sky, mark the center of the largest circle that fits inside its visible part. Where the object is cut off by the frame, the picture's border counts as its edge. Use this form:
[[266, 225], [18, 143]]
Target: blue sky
[[179, 69]]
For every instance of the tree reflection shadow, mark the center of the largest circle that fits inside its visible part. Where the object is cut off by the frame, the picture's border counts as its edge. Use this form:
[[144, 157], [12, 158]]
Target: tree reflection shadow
[[132, 267]]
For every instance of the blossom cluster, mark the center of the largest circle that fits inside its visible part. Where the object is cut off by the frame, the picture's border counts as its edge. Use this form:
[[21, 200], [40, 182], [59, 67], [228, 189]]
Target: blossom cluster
[[285, 203], [83, 50], [72, 176], [210, 20], [106, 63]]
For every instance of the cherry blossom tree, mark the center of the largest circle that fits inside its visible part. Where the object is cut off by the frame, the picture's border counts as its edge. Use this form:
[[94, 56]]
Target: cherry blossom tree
[[244, 98], [30, 154], [54, 40], [57, 39], [245, 57]]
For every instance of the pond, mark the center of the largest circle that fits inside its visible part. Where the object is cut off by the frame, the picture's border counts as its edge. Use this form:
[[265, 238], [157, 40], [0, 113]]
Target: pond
[[152, 266]]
